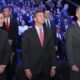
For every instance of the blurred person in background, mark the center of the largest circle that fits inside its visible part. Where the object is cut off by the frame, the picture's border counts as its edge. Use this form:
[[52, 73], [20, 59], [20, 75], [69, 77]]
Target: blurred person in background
[[50, 23], [65, 14], [73, 47], [4, 49], [11, 26]]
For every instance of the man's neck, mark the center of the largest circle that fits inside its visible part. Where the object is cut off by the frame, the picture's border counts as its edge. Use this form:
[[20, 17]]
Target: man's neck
[[7, 17], [39, 25], [78, 19], [1, 25]]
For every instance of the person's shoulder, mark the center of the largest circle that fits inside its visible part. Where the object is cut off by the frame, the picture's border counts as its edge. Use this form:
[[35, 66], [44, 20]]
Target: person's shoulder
[[28, 31], [49, 31], [72, 26], [13, 20], [3, 32]]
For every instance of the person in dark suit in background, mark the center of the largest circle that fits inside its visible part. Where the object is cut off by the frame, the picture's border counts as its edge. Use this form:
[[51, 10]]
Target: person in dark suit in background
[[11, 26], [50, 23], [60, 42], [73, 48], [38, 50], [4, 49]]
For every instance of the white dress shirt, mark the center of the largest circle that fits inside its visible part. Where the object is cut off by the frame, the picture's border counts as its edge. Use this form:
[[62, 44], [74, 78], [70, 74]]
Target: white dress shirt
[[78, 22], [8, 20], [66, 26], [48, 21], [38, 30], [58, 36]]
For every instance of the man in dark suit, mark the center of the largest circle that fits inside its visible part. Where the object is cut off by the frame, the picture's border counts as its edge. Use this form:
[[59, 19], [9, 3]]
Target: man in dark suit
[[4, 49], [11, 26], [73, 47], [38, 51], [50, 23]]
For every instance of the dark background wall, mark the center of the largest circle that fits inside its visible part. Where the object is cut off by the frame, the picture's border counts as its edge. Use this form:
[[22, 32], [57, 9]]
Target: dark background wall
[[76, 1]]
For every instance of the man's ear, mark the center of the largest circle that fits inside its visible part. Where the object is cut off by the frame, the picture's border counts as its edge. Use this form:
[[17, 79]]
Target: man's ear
[[35, 19], [76, 14]]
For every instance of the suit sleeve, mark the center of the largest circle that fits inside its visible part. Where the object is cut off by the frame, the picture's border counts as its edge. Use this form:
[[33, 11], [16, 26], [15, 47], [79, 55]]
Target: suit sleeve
[[25, 51], [7, 51], [69, 46], [53, 53]]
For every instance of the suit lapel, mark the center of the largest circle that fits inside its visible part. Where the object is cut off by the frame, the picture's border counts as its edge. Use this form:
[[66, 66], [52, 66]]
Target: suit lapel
[[77, 28], [46, 36], [36, 37], [11, 23]]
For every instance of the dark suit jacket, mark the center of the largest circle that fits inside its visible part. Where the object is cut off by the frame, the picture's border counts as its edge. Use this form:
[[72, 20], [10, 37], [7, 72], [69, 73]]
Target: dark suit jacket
[[35, 57], [4, 47], [12, 32], [53, 29], [73, 44]]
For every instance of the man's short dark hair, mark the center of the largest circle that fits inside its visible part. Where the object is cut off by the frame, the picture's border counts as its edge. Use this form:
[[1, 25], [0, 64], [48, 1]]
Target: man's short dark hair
[[5, 7], [38, 11], [1, 12]]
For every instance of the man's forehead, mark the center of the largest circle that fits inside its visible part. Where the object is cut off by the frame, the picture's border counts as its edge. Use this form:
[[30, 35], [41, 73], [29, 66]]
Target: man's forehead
[[47, 11], [40, 13], [6, 9]]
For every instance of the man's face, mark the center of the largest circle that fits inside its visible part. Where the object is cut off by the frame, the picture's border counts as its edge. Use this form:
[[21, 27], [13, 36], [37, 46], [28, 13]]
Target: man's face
[[39, 18], [47, 14], [6, 12], [78, 13], [1, 19]]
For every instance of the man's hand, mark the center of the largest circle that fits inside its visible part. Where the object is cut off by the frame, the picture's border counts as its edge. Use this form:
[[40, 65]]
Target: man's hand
[[56, 48], [28, 74], [2, 69], [75, 68], [53, 72]]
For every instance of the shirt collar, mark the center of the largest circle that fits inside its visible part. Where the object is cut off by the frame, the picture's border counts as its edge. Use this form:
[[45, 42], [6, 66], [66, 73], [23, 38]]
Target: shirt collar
[[8, 19], [38, 27]]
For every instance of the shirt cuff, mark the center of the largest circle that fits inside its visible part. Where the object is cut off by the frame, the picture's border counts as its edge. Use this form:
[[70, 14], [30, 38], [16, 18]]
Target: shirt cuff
[[53, 66], [27, 70]]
